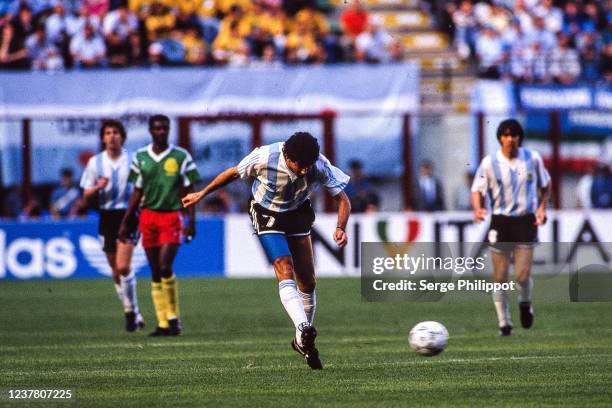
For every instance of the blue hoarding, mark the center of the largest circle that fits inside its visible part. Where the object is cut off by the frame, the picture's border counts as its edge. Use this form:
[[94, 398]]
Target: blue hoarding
[[71, 249]]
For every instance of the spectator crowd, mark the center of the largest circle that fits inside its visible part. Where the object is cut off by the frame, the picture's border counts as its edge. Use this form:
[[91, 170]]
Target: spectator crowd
[[64, 34], [534, 41]]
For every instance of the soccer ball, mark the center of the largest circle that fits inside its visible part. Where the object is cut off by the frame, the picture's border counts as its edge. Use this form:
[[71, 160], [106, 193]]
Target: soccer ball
[[428, 338]]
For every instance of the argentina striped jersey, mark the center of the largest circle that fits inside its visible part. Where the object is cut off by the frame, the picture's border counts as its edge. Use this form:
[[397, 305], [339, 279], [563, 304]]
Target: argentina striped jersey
[[116, 194], [279, 189], [512, 185]]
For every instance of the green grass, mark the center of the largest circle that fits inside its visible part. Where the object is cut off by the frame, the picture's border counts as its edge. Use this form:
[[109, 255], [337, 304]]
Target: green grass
[[235, 350]]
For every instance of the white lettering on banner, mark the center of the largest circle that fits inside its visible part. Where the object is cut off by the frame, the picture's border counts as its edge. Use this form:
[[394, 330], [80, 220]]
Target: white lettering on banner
[[30, 258], [61, 262], [34, 268], [244, 256]]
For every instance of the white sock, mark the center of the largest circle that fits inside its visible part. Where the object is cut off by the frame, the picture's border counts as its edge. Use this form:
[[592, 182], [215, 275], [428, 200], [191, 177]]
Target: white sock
[[309, 300], [128, 286], [525, 290], [121, 296], [292, 302], [500, 300]]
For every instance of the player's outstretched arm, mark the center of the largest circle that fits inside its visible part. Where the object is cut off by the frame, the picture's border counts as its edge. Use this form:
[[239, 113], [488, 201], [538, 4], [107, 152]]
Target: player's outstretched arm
[[220, 181], [480, 213], [130, 213], [344, 211]]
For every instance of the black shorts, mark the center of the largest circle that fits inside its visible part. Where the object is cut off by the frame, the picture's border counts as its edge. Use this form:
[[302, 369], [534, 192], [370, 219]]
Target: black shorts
[[108, 229], [292, 223], [506, 233]]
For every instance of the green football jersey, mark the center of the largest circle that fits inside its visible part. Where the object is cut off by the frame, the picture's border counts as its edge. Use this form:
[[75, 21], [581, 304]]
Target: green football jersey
[[161, 175]]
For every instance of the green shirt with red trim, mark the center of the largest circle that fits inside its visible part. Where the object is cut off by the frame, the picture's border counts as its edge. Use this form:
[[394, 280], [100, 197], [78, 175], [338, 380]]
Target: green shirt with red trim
[[160, 176]]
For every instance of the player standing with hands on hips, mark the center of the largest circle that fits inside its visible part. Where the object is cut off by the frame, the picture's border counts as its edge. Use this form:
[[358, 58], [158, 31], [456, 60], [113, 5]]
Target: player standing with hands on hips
[[160, 172], [518, 186], [106, 176], [286, 173]]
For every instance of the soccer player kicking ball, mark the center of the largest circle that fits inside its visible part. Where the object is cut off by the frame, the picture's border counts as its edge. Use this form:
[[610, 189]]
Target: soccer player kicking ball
[[106, 176], [159, 172], [519, 187], [285, 176]]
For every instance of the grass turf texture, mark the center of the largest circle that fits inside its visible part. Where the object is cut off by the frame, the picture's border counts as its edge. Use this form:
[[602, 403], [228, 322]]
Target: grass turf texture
[[235, 350]]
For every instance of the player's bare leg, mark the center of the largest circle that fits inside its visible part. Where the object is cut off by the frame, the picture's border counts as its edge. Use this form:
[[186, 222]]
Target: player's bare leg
[[127, 279], [501, 263], [523, 259]]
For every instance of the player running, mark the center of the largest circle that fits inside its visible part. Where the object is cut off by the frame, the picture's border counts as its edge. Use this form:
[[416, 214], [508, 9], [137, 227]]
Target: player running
[[518, 186], [159, 172], [106, 176], [285, 176]]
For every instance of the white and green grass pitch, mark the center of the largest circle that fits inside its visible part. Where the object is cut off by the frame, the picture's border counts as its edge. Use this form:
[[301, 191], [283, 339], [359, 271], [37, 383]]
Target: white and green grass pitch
[[235, 350]]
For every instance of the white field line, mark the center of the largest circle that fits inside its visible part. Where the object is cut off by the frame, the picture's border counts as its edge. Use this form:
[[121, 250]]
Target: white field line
[[254, 342], [251, 366]]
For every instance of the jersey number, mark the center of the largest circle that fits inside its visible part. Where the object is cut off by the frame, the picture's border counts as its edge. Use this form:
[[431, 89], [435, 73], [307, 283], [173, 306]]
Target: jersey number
[[271, 220]]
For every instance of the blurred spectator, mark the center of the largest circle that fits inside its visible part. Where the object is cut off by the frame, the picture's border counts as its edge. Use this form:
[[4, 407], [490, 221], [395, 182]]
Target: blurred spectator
[[43, 54], [33, 210], [159, 22], [553, 16], [95, 8], [376, 45], [465, 29], [606, 62], [13, 52], [359, 190], [88, 49], [302, 46], [429, 194], [121, 21], [601, 190], [564, 62], [195, 48], [463, 193], [489, 50], [353, 21], [60, 25], [65, 196], [230, 47]]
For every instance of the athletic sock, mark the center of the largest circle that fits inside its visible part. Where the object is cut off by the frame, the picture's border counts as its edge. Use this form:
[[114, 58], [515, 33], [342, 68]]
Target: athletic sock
[[170, 288], [525, 290], [128, 286], [161, 303], [309, 300], [500, 300], [121, 296], [292, 303]]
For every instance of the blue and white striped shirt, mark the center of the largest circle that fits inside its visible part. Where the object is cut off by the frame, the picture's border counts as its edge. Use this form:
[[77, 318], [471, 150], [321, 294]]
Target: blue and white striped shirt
[[117, 192], [279, 189], [512, 185]]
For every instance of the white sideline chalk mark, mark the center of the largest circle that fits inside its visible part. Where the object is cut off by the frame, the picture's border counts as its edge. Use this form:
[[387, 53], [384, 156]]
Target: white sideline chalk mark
[[421, 361]]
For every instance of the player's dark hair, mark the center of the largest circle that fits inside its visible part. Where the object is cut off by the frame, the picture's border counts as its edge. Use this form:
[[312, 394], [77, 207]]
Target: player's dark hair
[[513, 126], [112, 123], [160, 118], [303, 148]]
